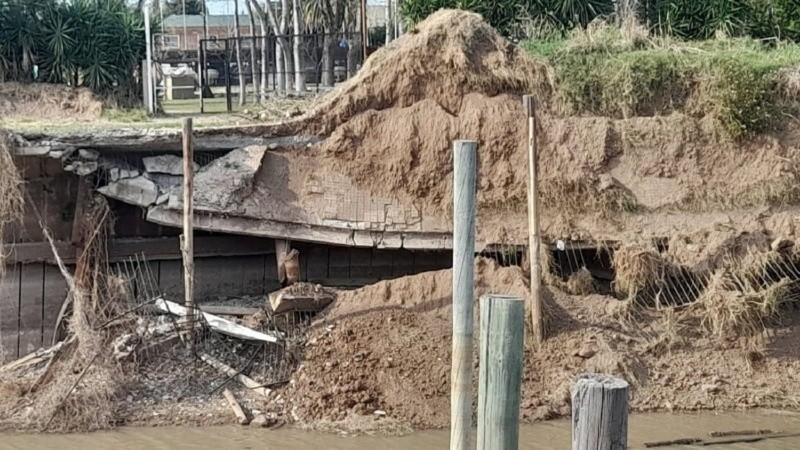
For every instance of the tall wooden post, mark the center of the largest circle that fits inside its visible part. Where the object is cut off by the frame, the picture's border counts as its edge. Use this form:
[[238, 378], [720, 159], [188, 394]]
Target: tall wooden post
[[534, 242], [187, 239], [600, 413], [502, 336], [464, 178]]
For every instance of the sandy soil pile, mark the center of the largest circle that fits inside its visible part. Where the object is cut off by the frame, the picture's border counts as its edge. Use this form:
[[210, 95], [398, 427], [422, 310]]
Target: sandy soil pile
[[386, 348], [48, 102], [454, 77]]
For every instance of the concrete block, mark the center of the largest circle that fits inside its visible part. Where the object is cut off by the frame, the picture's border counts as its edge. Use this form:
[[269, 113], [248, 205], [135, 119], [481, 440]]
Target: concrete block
[[166, 164], [114, 174], [136, 191]]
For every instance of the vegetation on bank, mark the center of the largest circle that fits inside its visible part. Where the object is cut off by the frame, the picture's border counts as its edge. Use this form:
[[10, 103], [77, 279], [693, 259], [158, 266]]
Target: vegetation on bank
[[686, 19], [747, 85], [84, 43]]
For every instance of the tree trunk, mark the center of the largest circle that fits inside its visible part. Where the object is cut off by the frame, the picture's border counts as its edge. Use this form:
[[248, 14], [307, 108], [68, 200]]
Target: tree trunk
[[280, 78], [253, 56], [264, 62], [389, 21], [299, 70], [354, 48], [237, 35], [286, 46], [400, 27], [327, 58]]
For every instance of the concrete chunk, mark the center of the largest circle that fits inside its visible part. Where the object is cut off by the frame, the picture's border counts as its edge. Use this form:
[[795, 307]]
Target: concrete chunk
[[113, 173], [136, 191], [39, 150], [85, 168], [168, 164], [89, 155]]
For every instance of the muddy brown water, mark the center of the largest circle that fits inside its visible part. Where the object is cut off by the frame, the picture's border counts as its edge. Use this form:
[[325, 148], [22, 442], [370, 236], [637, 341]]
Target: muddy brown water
[[554, 434]]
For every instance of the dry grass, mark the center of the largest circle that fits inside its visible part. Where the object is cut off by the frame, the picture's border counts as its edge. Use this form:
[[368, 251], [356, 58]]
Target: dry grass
[[580, 283], [743, 297], [11, 200], [77, 390], [638, 267]]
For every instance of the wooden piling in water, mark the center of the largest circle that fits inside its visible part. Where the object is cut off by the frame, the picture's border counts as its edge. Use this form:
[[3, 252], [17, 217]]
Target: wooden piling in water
[[600, 413], [502, 337], [464, 182]]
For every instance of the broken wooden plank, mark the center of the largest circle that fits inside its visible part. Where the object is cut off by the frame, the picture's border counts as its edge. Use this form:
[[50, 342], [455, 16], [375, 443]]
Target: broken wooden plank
[[229, 371], [236, 407], [218, 323], [32, 358]]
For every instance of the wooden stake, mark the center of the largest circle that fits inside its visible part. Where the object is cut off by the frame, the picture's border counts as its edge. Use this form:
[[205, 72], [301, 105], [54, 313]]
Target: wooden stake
[[600, 413], [502, 337], [229, 371], [464, 174], [236, 407], [187, 239], [534, 242]]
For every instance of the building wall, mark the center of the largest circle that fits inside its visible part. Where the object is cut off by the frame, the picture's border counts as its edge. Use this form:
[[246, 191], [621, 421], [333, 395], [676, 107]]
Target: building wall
[[190, 40]]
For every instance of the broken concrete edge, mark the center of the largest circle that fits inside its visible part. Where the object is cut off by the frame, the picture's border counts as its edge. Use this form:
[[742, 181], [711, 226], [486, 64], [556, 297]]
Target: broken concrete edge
[[222, 139], [138, 191], [304, 232]]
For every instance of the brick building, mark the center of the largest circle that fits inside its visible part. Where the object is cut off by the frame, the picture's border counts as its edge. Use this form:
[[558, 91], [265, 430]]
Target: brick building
[[183, 32]]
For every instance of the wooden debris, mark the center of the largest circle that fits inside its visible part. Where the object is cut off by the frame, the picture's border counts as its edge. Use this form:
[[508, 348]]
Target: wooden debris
[[32, 359], [229, 371], [739, 433], [685, 441], [300, 297], [218, 323], [236, 407]]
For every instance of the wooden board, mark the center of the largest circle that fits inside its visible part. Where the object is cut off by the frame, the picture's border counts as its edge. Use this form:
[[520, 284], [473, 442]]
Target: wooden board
[[30, 312], [9, 313], [317, 263], [55, 291]]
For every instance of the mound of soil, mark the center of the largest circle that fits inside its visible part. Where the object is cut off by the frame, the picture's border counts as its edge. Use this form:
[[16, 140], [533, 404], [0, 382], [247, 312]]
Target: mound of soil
[[51, 102], [386, 348], [390, 129]]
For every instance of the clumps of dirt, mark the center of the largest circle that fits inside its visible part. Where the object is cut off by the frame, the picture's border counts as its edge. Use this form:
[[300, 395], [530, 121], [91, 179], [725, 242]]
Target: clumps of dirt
[[51, 102], [11, 200], [380, 356]]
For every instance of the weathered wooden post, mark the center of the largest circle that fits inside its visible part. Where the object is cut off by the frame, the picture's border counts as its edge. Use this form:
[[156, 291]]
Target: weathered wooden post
[[187, 238], [534, 241], [600, 413], [502, 336], [464, 177]]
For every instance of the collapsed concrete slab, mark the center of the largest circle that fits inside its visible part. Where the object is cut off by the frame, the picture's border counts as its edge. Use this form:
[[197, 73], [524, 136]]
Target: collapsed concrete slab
[[222, 185], [305, 232], [136, 191]]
